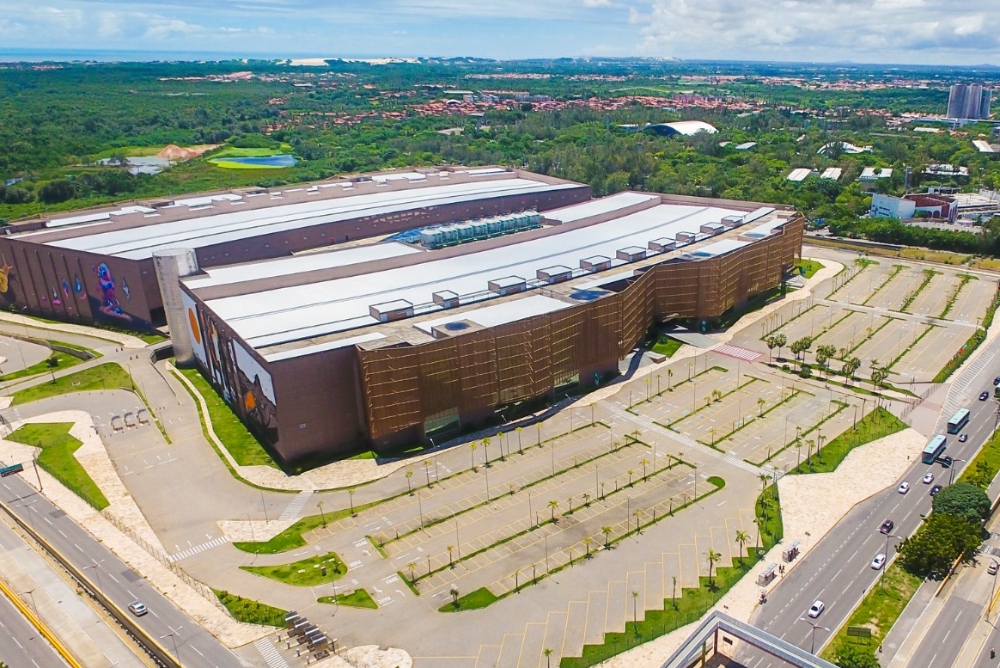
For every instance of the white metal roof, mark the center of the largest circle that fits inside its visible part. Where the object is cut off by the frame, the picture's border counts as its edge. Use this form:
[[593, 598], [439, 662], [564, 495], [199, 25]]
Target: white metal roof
[[764, 230], [597, 207], [832, 173], [982, 146], [502, 313], [799, 174], [719, 248], [223, 223], [296, 312], [299, 264], [321, 347]]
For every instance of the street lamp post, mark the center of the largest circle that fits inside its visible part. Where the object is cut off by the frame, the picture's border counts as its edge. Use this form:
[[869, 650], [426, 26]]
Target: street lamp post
[[885, 567], [951, 470], [812, 646], [173, 638], [97, 572]]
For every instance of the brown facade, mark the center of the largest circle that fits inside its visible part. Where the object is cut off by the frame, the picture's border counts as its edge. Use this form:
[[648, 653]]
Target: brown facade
[[471, 374]]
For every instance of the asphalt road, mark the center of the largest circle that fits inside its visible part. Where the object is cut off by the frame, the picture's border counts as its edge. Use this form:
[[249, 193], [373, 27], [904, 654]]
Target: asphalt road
[[165, 622], [21, 644], [838, 570]]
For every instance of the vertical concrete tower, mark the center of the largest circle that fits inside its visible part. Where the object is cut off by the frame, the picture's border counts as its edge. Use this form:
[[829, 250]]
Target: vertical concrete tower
[[171, 265]]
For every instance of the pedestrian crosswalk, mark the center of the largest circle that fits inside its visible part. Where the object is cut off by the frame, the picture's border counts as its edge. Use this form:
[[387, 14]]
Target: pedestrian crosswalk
[[739, 353], [191, 551], [296, 506], [270, 653]]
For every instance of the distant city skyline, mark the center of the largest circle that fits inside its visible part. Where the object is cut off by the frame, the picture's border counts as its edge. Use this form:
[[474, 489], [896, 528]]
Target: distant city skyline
[[922, 32]]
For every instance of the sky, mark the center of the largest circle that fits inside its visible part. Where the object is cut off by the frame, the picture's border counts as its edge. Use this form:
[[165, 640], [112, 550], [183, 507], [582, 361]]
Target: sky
[[934, 32]]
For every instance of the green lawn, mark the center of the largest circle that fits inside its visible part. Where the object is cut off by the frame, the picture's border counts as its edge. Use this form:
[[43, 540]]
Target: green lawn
[[101, 377], [54, 362], [878, 611], [241, 444], [251, 612], [667, 346], [321, 569], [56, 457], [291, 538], [358, 598], [875, 425], [811, 267], [474, 600], [236, 152]]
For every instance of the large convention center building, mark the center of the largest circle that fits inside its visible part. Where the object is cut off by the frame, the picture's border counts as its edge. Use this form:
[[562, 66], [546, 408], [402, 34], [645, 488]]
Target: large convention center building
[[391, 309]]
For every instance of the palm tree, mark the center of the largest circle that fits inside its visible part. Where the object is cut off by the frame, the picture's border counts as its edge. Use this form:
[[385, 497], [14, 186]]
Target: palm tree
[[771, 344], [586, 499], [798, 451], [586, 543], [319, 505], [472, 447], [763, 481], [630, 477], [486, 449], [742, 538], [712, 431], [713, 558], [409, 485], [645, 463], [760, 404], [809, 447], [670, 374], [548, 653], [519, 450], [451, 563], [412, 566], [607, 535], [780, 341], [553, 505]]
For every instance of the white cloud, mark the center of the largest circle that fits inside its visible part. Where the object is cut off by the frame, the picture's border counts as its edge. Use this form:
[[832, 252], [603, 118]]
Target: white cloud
[[800, 29]]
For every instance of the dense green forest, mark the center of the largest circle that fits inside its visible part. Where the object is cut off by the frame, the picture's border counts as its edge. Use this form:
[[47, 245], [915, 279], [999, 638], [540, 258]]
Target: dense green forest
[[57, 122]]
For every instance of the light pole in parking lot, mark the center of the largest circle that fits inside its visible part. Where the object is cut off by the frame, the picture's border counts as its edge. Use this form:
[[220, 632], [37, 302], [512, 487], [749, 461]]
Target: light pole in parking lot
[[814, 626]]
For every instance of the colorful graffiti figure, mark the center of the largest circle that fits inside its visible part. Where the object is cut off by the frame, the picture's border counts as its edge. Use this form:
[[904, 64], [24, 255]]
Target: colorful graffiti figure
[[65, 288], [5, 270], [78, 288], [109, 302], [55, 298]]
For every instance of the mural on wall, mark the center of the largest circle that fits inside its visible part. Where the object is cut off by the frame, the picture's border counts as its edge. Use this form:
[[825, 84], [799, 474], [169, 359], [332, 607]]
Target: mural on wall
[[236, 375], [107, 307], [5, 270]]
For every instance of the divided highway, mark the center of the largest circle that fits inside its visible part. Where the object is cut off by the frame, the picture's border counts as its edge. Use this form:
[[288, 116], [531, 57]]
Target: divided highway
[[21, 644], [167, 624], [838, 569]]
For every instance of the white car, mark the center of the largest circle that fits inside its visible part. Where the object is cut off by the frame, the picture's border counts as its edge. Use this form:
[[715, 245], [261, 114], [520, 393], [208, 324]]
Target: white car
[[929, 478], [817, 609], [138, 608], [878, 562], [903, 488]]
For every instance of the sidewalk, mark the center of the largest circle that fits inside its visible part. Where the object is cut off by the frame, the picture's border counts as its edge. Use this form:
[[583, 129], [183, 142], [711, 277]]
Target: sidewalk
[[126, 340]]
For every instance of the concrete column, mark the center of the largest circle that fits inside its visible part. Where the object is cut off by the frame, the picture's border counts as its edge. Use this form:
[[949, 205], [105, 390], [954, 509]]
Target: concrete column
[[171, 265]]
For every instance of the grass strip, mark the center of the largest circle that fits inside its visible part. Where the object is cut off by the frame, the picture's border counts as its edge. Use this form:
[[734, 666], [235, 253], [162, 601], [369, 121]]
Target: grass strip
[[474, 600], [359, 598], [670, 425], [810, 267], [896, 268], [964, 280], [56, 457], [51, 364], [250, 611], [379, 542], [109, 376], [871, 335], [877, 424], [862, 262], [315, 570], [291, 538], [910, 347], [929, 275], [241, 444], [692, 604], [667, 346], [878, 611]]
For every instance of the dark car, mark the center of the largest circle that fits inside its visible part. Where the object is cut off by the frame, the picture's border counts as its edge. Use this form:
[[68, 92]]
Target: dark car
[[946, 461], [996, 381], [984, 395], [887, 526], [935, 489], [963, 438]]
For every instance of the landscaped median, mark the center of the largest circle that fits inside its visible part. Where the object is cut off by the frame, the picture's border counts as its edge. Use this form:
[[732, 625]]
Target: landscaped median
[[965, 352], [877, 424], [57, 458], [317, 570]]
